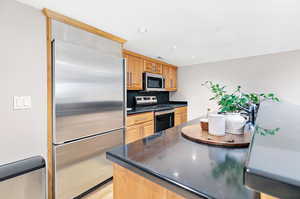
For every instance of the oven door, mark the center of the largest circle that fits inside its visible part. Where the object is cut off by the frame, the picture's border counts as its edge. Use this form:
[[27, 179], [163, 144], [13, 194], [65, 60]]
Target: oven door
[[154, 82], [164, 120]]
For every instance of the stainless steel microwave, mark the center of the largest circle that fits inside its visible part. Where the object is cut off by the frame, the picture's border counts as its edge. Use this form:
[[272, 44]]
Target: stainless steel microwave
[[154, 82]]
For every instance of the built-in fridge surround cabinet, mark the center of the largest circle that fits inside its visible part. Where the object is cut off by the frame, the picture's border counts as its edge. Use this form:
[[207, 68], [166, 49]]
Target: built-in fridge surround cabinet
[[88, 108]]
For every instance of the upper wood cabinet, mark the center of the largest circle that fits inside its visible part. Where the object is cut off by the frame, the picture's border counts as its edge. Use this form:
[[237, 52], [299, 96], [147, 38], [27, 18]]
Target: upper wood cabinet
[[152, 67], [170, 75], [137, 64], [134, 72]]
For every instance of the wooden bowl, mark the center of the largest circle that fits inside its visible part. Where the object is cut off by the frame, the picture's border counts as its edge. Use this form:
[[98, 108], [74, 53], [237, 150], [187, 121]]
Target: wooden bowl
[[204, 124]]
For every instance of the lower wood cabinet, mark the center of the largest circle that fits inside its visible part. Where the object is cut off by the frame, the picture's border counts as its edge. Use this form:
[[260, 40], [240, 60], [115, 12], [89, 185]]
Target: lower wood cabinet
[[129, 185], [139, 131], [139, 126], [180, 115], [265, 196]]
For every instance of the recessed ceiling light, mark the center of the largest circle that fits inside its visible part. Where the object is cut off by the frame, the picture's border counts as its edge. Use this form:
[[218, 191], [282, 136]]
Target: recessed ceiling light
[[174, 47], [143, 29], [193, 57]]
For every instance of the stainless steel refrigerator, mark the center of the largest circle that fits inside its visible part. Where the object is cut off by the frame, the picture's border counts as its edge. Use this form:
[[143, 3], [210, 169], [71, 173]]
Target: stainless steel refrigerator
[[88, 109]]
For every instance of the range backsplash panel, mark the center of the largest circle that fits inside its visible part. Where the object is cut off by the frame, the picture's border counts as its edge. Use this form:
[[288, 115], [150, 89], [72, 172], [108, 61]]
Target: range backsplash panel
[[162, 97]]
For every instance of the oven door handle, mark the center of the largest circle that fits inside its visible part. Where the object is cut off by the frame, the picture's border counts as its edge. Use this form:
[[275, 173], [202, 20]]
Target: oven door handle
[[164, 112]]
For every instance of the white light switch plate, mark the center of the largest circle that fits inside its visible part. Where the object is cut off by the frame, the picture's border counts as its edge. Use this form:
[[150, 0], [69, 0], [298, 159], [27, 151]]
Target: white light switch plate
[[22, 102]]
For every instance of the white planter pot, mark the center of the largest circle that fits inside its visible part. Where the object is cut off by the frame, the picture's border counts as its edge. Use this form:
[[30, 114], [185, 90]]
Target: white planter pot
[[216, 124], [235, 123]]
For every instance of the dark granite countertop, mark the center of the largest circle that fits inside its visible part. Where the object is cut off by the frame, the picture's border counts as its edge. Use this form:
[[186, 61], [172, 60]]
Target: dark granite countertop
[[21, 167], [160, 107], [273, 166], [191, 169]]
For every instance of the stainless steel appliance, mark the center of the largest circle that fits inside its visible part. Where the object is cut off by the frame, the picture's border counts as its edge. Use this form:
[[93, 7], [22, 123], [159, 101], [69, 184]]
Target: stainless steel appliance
[[88, 109], [154, 82], [163, 120], [23, 179], [145, 100], [163, 113]]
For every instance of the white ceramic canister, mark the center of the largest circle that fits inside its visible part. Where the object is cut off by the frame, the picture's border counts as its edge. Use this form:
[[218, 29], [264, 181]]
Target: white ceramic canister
[[235, 123], [216, 124]]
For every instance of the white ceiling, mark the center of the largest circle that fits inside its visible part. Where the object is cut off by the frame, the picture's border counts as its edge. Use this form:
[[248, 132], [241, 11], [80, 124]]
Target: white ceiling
[[201, 30]]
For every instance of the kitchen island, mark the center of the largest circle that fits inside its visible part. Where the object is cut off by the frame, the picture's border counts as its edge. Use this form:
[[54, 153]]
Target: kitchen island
[[168, 166], [273, 162]]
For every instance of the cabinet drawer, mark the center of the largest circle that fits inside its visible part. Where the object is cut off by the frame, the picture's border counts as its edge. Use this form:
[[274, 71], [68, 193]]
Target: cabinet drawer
[[139, 131], [139, 118], [181, 110]]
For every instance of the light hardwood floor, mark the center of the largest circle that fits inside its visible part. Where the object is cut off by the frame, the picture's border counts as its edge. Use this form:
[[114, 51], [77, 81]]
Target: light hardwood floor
[[105, 192]]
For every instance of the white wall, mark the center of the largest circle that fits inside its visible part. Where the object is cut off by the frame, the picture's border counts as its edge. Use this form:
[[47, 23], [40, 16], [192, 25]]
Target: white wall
[[278, 73], [22, 72]]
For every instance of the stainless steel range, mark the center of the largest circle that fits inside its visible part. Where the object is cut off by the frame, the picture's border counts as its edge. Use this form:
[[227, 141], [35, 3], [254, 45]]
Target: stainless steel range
[[163, 113]]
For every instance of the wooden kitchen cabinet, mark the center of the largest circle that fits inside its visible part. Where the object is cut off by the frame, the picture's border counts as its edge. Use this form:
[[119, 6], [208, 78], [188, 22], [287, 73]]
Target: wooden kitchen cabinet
[[265, 196], [132, 133], [170, 75], [165, 73], [147, 128], [139, 118], [173, 78], [134, 72], [129, 185], [139, 126], [180, 115], [137, 64], [139, 131], [152, 67]]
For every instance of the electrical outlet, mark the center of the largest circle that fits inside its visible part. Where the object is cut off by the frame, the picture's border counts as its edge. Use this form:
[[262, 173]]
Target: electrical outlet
[[22, 102]]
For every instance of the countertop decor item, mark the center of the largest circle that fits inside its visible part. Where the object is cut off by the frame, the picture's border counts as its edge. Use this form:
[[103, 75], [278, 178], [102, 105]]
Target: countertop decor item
[[235, 123], [216, 124], [196, 134], [204, 124], [236, 103]]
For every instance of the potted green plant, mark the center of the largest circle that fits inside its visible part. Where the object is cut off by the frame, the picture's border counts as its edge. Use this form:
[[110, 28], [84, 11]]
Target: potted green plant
[[232, 104]]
